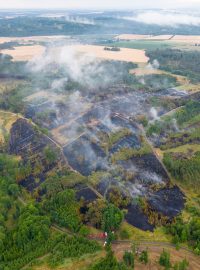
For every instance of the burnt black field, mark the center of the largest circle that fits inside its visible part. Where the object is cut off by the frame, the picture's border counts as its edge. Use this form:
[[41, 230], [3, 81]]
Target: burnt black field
[[87, 131], [97, 131]]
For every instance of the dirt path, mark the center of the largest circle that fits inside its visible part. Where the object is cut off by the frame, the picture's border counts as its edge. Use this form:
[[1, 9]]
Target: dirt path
[[154, 248], [75, 139]]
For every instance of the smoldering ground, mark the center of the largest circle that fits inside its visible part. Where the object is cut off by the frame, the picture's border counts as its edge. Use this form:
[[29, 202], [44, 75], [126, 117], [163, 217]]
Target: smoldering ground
[[89, 100]]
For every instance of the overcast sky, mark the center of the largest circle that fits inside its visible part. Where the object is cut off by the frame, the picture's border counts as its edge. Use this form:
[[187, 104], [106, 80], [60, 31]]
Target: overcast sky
[[99, 4]]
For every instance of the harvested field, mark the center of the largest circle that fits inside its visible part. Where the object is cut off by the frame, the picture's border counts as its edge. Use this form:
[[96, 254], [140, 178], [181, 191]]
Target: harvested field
[[161, 37], [127, 55], [177, 38], [145, 71], [132, 37], [25, 40], [186, 39], [25, 53]]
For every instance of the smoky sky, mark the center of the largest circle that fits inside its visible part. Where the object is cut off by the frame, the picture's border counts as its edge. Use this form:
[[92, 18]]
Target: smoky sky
[[98, 4]]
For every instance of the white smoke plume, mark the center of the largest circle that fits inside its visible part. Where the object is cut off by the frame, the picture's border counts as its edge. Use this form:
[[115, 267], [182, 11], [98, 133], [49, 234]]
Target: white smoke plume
[[79, 20], [83, 68], [68, 18], [154, 113], [162, 18], [154, 65]]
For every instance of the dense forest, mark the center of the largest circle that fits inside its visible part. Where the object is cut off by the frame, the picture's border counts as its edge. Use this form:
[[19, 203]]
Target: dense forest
[[26, 228], [185, 63]]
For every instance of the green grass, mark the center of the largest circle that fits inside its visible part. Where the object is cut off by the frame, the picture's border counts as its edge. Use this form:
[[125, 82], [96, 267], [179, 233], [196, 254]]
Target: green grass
[[127, 153], [158, 235], [142, 44], [185, 148]]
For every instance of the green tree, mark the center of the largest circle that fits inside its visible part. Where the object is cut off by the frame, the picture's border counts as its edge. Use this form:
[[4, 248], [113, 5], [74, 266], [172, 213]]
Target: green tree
[[94, 215], [50, 155], [164, 259], [144, 257], [183, 265], [112, 218], [109, 263], [13, 190], [64, 209], [128, 259]]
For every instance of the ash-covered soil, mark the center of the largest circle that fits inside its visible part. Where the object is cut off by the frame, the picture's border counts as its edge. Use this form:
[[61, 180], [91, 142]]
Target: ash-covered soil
[[137, 218], [30, 144], [85, 156], [87, 194], [130, 141], [167, 201], [84, 123]]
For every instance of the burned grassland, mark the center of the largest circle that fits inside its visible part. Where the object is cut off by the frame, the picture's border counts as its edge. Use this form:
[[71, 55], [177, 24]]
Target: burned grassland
[[92, 139]]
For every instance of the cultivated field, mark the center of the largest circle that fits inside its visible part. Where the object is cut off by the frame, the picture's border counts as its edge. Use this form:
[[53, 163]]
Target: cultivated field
[[127, 55], [178, 38], [132, 37], [145, 70], [25, 53], [25, 40]]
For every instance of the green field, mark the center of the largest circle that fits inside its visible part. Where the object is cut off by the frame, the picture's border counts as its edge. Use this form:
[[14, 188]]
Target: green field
[[142, 44]]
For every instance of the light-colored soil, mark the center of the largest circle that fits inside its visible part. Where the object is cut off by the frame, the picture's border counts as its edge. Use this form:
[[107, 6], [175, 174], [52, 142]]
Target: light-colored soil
[[25, 40], [186, 38], [177, 38], [160, 37], [131, 37], [127, 55], [154, 254], [25, 53], [145, 71]]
